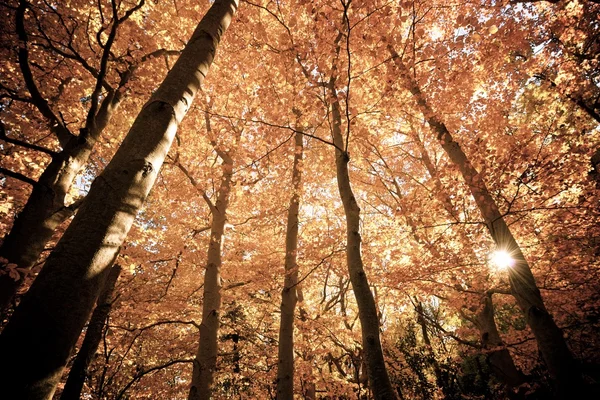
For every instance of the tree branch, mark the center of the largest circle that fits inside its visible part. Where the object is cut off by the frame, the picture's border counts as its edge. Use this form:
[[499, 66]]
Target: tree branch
[[20, 143], [143, 373], [18, 176], [56, 125]]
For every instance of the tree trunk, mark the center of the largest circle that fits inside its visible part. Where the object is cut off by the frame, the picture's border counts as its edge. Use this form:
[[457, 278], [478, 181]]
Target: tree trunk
[[74, 384], [379, 381], [45, 209], [205, 363], [62, 297], [439, 376], [505, 369], [559, 360], [498, 357], [500, 361], [285, 365], [310, 393]]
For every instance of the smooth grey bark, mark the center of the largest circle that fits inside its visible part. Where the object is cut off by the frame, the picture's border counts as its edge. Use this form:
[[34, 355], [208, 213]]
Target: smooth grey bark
[[205, 363], [62, 297], [285, 355], [379, 381], [93, 335], [46, 208], [558, 358]]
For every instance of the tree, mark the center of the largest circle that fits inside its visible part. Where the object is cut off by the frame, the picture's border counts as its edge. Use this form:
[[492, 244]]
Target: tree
[[499, 359], [379, 382], [552, 345], [421, 234], [47, 205], [75, 271], [205, 363], [289, 297]]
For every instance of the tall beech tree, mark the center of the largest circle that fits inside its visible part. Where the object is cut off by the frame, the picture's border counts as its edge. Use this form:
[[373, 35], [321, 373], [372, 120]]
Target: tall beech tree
[[289, 297], [205, 363], [47, 206], [559, 360], [379, 381], [498, 356], [63, 295]]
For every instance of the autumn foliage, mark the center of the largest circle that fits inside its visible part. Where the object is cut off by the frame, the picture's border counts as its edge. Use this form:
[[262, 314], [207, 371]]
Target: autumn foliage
[[342, 161]]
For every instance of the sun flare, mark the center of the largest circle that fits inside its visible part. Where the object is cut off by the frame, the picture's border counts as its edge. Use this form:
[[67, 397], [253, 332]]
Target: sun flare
[[502, 259]]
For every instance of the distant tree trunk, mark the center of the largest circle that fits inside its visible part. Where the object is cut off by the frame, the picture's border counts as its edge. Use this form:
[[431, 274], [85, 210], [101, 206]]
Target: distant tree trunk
[[594, 173], [47, 323], [441, 193], [439, 376], [93, 335], [559, 360], [45, 209], [379, 381], [205, 363], [310, 393], [498, 357], [285, 365], [501, 361], [485, 322]]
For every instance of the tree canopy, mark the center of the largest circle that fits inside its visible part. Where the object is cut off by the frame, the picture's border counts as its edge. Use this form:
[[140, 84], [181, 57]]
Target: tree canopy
[[468, 133]]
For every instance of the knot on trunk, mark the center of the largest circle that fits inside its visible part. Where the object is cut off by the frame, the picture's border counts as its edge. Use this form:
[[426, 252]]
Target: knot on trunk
[[147, 168]]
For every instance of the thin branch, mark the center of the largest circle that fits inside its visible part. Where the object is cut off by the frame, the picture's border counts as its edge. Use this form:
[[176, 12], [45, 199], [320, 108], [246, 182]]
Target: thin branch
[[56, 125], [196, 185], [18, 176], [143, 373], [20, 143], [273, 125]]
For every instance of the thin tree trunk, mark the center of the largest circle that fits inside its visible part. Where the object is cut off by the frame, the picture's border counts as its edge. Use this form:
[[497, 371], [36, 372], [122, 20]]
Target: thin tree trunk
[[379, 381], [485, 322], [501, 362], [559, 360], [93, 335], [285, 365], [498, 356], [62, 297], [205, 363], [310, 393], [439, 376], [441, 193]]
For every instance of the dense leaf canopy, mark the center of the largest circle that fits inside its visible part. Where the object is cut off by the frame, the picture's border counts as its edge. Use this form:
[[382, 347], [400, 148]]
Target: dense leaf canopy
[[516, 83]]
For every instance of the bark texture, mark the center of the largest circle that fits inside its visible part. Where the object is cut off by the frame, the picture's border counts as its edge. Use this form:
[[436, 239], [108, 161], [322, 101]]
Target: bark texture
[[498, 356], [46, 209], [551, 343], [379, 381], [62, 297], [289, 298], [93, 335], [205, 363]]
